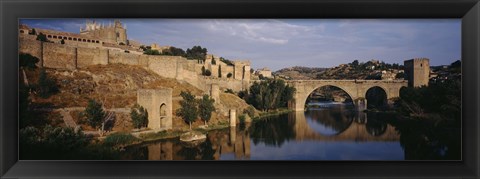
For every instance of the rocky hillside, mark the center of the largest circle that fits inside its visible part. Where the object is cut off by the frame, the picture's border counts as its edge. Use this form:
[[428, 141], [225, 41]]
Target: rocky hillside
[[299, 73], [116, 84], [372, 69]]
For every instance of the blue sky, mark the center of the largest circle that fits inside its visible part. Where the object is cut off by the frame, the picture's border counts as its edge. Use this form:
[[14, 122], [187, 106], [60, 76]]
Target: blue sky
[[280, 43]]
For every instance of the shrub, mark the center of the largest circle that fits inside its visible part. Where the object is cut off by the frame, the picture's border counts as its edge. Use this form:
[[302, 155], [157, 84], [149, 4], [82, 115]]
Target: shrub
[[208, 73], [42, 37], [46, 86], [242, 118], [151, 52], [119, 139], [250, 110], [139, 116], [63, 139], [62, 41], [28, 61], [229, 91]]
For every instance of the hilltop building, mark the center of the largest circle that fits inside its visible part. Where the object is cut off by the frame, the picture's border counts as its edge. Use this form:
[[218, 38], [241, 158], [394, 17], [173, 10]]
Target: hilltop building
[[265, 72], [115, 33]]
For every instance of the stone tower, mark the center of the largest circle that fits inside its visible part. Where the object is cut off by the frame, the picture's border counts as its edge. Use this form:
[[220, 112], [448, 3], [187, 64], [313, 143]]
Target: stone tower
[[158, 103], [417, 71]]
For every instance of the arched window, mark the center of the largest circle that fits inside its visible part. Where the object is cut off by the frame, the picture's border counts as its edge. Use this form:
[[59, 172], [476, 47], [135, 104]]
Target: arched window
[[54, 36], [69, 38], [163, 110], [21, 31], [49, 36]]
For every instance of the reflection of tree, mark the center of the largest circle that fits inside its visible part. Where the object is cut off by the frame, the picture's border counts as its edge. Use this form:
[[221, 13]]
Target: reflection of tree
[[204, 151], [334, 118], [273, 130], [429, 139], [376, 127], [136, 153]]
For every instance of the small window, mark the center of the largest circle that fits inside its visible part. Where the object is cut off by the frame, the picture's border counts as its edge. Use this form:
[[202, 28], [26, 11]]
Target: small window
[[421, 65]]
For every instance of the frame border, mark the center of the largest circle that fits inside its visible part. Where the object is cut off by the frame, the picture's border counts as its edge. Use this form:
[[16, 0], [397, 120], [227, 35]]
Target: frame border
[[467, 10]]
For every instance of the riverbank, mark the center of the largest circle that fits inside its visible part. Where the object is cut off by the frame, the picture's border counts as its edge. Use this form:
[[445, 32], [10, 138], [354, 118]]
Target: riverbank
[[125, 139], [271, 113]]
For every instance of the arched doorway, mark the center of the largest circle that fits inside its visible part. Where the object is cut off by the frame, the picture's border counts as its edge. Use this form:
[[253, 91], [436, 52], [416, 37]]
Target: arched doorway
[[376, 98], [163, 114]]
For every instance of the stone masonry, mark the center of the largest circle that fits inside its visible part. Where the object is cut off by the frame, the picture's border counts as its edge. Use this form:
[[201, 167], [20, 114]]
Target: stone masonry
[[158, 103]]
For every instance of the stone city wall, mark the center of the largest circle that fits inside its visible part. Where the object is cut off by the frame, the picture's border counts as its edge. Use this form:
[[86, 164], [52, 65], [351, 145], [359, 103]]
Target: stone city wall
[[63, 56]]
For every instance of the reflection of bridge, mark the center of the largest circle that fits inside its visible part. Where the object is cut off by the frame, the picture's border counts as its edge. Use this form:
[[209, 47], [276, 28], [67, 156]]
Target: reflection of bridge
[[356, 89], [354, 132]]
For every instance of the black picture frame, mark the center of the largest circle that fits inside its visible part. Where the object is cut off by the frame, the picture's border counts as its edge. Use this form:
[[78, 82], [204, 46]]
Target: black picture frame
[[467, 10]]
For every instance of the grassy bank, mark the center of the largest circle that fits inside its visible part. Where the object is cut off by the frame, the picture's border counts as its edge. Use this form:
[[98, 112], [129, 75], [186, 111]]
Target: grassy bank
[[277, 112]]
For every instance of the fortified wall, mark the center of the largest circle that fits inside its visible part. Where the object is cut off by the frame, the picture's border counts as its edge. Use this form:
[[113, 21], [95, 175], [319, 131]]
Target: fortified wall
[[71, 57]]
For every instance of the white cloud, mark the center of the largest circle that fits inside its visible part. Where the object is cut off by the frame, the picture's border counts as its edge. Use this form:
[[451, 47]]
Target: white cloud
[[266, 31]]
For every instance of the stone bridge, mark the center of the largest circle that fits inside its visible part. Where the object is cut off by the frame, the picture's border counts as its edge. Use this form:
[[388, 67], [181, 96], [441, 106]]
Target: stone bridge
[[356, 89]]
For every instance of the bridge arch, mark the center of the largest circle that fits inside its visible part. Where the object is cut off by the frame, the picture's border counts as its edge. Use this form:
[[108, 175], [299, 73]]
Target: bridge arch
[[327, 85], [377, 97]]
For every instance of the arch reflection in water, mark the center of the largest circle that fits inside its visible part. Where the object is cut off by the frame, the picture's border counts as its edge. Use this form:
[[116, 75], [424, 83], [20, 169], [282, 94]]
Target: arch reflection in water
[[286, 137]]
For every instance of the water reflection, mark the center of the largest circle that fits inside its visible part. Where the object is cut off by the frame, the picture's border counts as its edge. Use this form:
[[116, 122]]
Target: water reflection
[[333, 133]]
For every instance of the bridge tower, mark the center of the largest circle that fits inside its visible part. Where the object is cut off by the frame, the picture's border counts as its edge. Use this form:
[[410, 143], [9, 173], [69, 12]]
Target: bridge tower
[[417, 71]]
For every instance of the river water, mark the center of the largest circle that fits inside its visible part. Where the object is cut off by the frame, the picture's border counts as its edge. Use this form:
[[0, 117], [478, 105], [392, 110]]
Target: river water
[[329, 131]]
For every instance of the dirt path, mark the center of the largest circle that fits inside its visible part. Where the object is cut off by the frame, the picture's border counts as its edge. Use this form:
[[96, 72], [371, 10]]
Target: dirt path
[[67, 118]]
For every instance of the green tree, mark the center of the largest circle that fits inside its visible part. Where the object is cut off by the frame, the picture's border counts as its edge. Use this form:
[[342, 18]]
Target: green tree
[[205, 108], [177, 51], [270, 94], [28, 61], [203, 70], [42, 37], [188, 108], [355, 63], [46, 86], [62, 41], [94, 113], [196, 52], [139, 116], [151, 52], [33, 32]]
